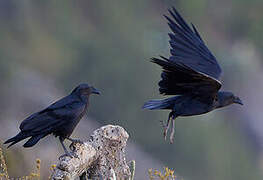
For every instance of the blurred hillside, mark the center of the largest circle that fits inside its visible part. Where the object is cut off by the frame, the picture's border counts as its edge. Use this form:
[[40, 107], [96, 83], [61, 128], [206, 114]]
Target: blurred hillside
[[48, 47]]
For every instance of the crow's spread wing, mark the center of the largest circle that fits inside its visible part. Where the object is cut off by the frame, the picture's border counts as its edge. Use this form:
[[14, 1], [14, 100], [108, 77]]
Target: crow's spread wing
[[54, 116], [189, 48], [178, 79], [191, 69]]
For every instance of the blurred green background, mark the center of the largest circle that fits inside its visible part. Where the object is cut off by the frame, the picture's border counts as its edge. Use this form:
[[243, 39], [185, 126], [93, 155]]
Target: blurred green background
[[49, 47]]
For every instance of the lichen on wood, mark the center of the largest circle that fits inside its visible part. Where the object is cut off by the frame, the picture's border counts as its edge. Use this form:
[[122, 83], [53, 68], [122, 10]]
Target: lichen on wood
[[102, 157]]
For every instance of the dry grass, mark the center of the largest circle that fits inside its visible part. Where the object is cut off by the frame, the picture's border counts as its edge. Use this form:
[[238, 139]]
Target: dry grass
[[168, 174], [4, 172]]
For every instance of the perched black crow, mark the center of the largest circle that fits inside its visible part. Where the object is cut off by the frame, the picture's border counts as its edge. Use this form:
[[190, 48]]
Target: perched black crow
[[59, 119], [191, 73]]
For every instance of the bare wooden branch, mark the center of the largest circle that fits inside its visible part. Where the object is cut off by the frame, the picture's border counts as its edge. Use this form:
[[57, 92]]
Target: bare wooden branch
[[102, 156]]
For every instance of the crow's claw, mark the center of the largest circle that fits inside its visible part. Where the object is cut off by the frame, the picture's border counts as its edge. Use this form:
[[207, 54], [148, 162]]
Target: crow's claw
[[74, 141], [65, 155], [165, 133], [165, 129], [172, 135], [71, 155], [72, 147], [171, 139], [77, 141]]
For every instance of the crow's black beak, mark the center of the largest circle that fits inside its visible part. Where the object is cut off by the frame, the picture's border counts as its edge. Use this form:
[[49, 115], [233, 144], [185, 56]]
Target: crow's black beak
[[95, 91], [237, 100]]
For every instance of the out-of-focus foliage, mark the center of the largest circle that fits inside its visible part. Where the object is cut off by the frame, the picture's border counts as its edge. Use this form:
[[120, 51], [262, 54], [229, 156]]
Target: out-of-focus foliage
[[3, 167], [4, 170], [132, 168], [108, 44]]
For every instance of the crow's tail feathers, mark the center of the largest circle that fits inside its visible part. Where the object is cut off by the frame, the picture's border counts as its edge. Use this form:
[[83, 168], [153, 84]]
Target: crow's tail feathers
[[22, 135], [33, 140], [160, 104]]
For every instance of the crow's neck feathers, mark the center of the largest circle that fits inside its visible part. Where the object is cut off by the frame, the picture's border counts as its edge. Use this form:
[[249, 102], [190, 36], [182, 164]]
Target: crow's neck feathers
[[83, 97]]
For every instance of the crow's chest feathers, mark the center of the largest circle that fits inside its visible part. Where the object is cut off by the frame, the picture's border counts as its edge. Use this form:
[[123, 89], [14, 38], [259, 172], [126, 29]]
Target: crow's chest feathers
[[191, 106]]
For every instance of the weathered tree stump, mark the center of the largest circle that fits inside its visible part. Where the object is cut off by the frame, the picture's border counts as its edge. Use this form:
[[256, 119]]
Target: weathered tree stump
[[102, 157]]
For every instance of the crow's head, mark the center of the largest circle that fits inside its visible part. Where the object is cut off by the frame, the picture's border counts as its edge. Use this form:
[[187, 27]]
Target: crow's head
[[85, 90], [227, 98]]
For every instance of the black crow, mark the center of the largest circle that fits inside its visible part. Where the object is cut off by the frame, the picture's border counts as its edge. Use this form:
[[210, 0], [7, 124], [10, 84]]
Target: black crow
[[191, 73], [59, 119]]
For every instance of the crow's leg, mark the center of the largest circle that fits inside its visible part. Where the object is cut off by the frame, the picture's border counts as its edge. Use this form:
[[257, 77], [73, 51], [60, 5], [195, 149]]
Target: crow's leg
[[172, 135], [65, 149], [167, 125]]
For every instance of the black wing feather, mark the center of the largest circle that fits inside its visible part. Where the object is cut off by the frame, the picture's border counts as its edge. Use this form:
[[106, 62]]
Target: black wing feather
[[192, 68], [52, 116], [178, 79], [184, 39]]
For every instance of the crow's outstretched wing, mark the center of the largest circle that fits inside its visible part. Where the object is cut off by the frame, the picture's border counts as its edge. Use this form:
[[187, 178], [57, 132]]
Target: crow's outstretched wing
[[189, 49], [178, 79], [54, 116], [191, 69]]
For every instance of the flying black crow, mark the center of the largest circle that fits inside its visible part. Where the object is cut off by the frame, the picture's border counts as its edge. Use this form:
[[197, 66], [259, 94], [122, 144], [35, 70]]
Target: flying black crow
[[59, 119], [191, 73]]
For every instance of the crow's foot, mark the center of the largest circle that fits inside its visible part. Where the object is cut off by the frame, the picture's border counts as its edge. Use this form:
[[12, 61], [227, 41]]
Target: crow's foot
[[172, 135], [65, 155], [77, 141], [71, 155], [165, 129], [74, 142]]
